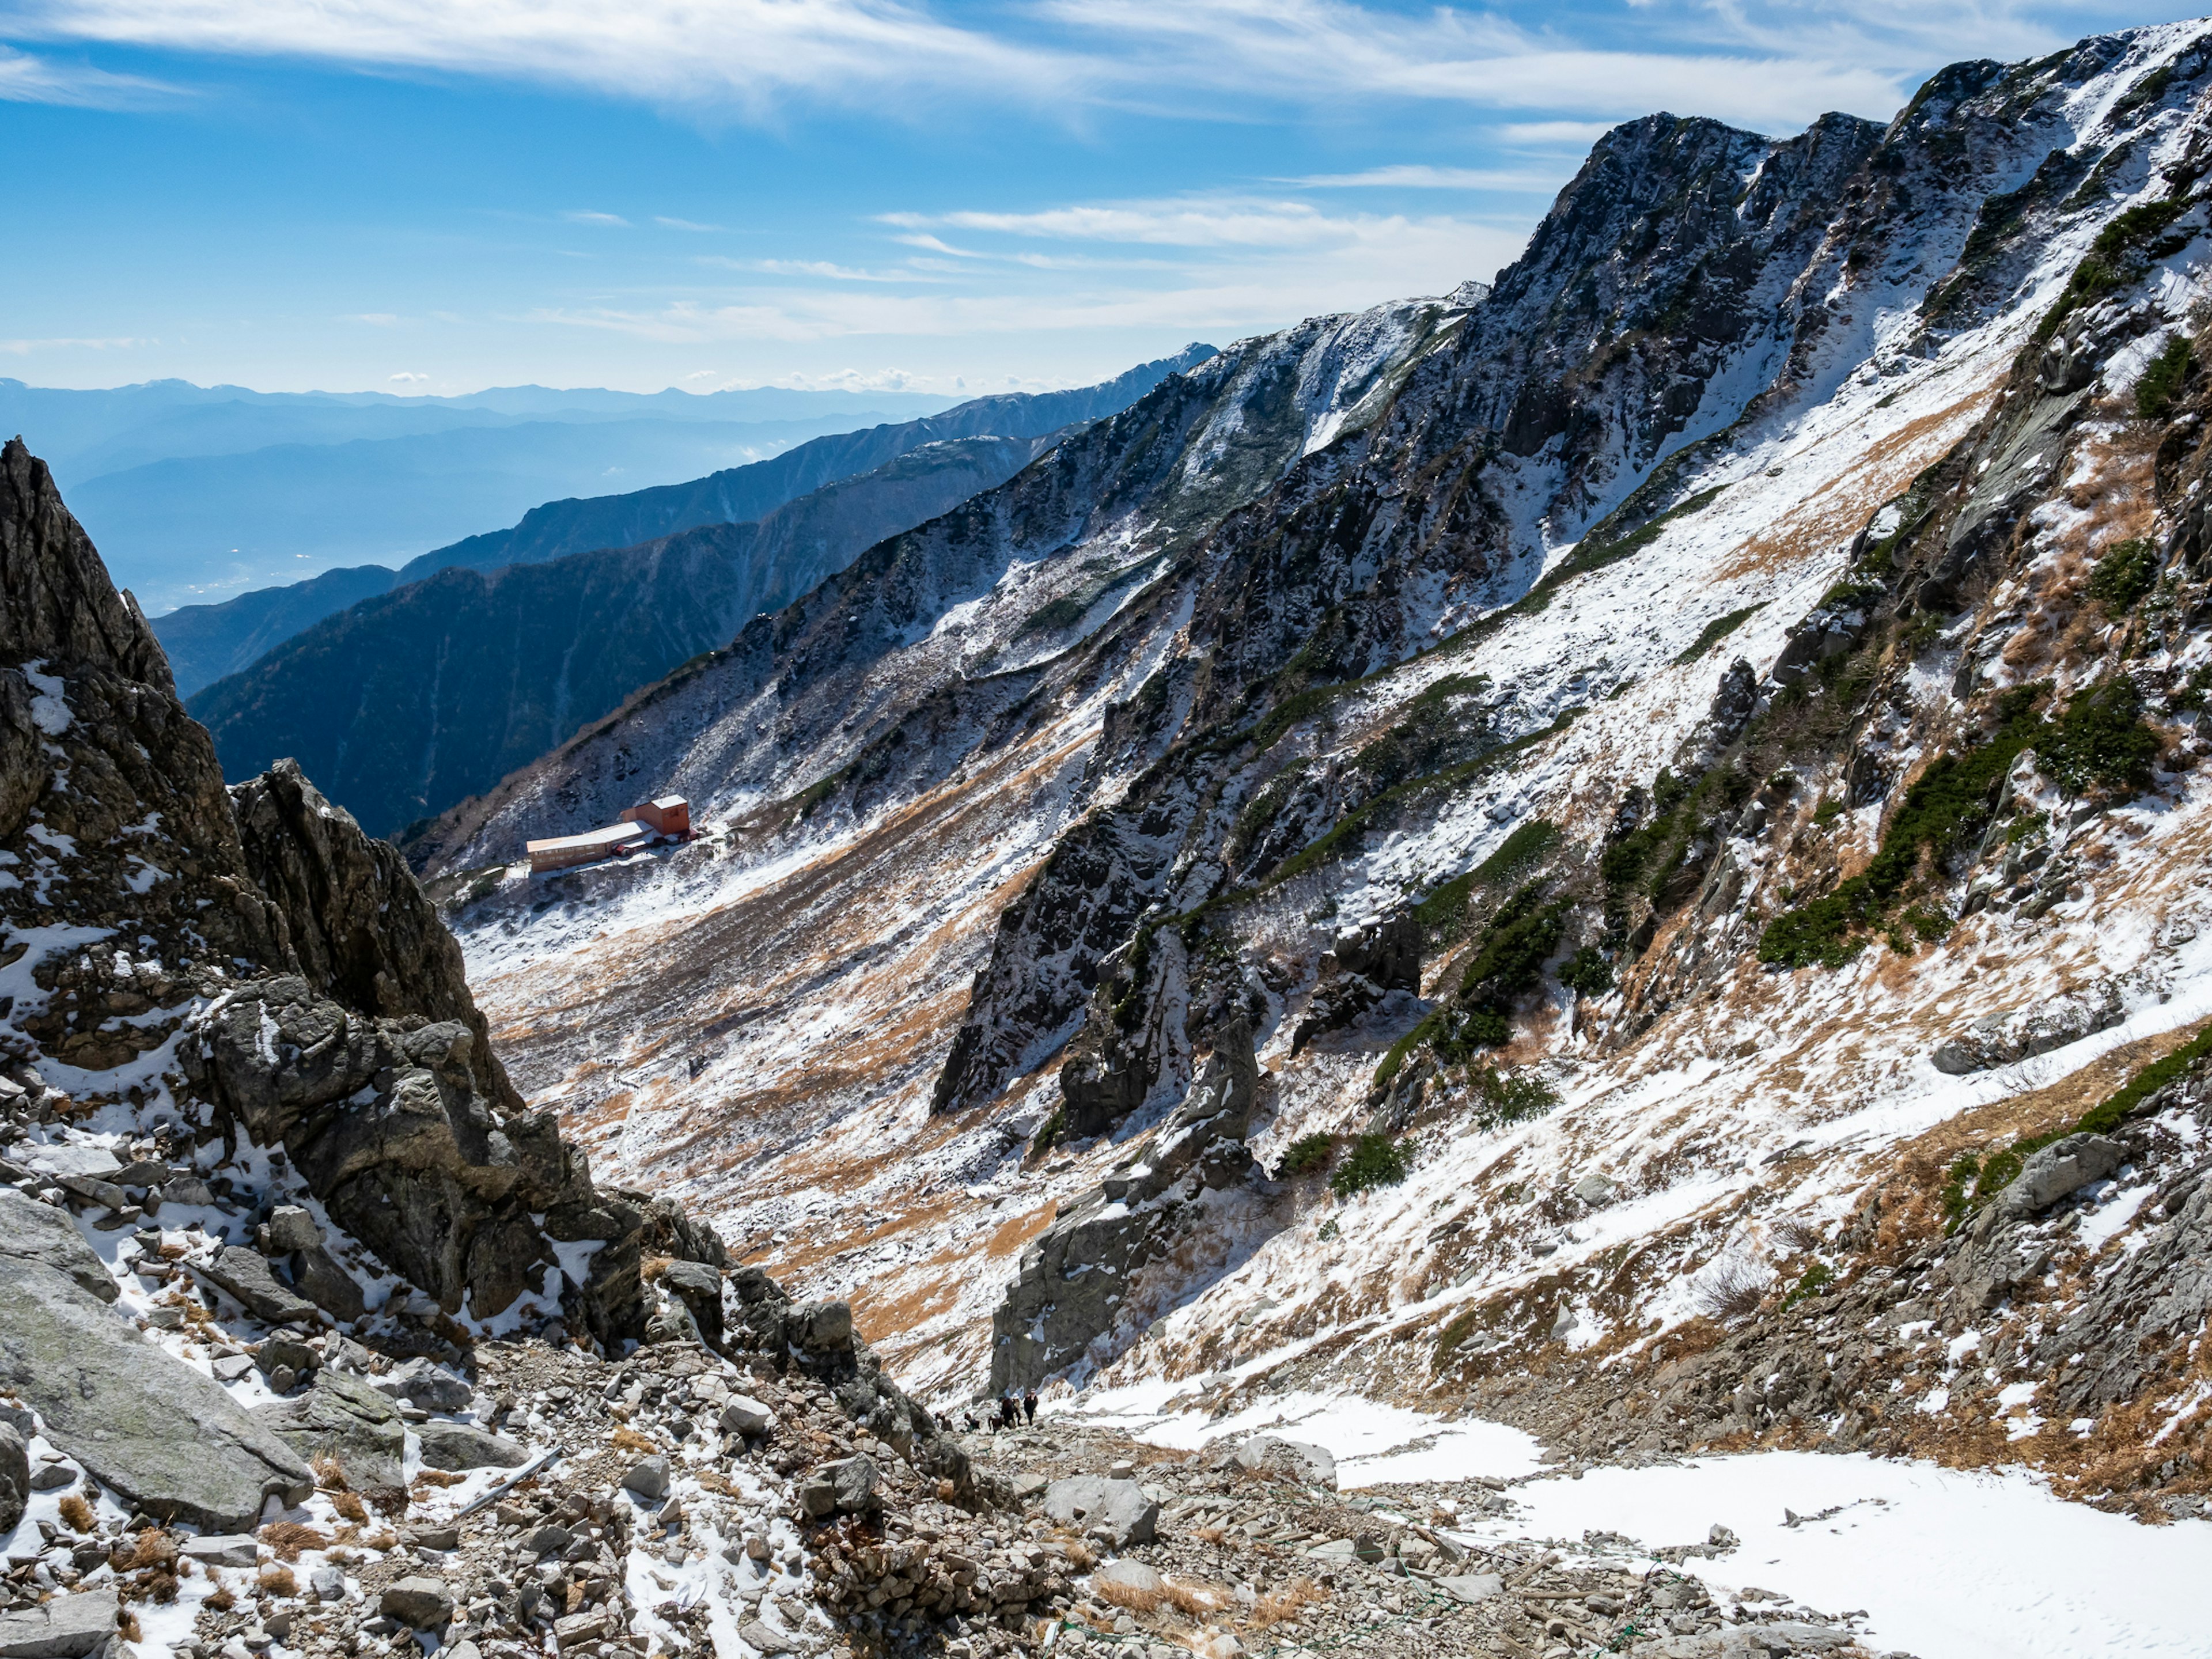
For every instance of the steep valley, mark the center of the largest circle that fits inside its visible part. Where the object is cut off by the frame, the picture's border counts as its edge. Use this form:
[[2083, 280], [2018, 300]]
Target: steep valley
[[1545, 853]]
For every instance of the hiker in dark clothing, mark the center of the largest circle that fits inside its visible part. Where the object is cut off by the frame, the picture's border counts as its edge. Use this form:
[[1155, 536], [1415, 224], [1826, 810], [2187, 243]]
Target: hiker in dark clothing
[[1029, 1404]]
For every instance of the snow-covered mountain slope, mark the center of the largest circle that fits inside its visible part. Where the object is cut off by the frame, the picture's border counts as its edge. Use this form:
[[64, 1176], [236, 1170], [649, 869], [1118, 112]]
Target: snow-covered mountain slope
[[1634, 774]]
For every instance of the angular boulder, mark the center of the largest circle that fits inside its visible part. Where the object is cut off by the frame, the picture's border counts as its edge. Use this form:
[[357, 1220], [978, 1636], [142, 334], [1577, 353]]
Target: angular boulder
[[343, 1418], [1119, 1509], [456, 1446], [169, 1440], [701, 1288], [1292, 1460], [67, 1627], [846, 1486], [419, 1603], [14, 1477], [2059, 1169], [32, 1232], [248, 1278]]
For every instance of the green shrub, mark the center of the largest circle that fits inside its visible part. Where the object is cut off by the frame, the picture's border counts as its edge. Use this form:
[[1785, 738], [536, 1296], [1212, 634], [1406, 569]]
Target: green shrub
[[2127, 571], [1508, 1097], [1329, 1230], [2161, 382], [1509, 959], [1374, 1161], [1307, 1155], [1817, 1278], [1828, 812], [2101, 740], [1716, 630], [1588, 972], [1049, 1134], [2104, 1118]]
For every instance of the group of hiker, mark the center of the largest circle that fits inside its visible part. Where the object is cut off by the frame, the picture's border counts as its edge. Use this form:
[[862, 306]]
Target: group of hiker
[[1010, 1411]]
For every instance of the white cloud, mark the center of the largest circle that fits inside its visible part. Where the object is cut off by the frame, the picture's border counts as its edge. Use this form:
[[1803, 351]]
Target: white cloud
[[118, 343], [681, 224], [823, 268], [406, 378], [373, 318], [751, 53], [583, 217], [1188, 222], [1576, 136], [25, 79], [1414, 176]]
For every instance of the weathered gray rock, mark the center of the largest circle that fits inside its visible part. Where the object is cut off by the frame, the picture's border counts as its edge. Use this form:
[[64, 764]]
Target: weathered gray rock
[[846, 1486], [67, 1627], [328, 1286], [246, 1276], [743, 1414], [648, 1477], [1470, 1588], [826, 1325], [14, 1477], [432, 1387], [1130, 1576], [766, 1639], [701, 1288], [2015, 1033], [1119, 1509], [329, 1584], [457, 1446], [2059, 1169], [234, 1549], [1070, 1288], [341, 1417], [290, 1229], [166, 1439], [1293, 1459], [418, 1602], [32, 1232]]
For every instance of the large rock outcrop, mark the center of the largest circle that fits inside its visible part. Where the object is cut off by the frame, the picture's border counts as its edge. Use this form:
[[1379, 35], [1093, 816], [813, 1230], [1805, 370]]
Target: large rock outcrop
[[312, 998], [166, 1439]]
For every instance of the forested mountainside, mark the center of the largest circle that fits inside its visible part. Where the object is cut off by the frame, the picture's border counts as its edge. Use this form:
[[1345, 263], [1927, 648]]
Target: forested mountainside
[[1610, 852], [409, 702], [205, 643]]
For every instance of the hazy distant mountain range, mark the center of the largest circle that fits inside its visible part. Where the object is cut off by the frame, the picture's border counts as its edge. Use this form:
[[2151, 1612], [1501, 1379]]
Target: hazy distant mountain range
[[199, 492]]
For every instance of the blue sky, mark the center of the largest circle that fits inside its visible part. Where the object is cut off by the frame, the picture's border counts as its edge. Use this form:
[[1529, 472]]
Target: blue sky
[[443, 195]]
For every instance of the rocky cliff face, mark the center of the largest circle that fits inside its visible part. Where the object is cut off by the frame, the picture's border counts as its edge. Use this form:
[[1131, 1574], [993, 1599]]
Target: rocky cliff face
[[255, 973], [1755, 647]]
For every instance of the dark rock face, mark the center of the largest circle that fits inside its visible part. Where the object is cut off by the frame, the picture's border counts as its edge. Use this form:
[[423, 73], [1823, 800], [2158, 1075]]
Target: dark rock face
[[329, 1012], [1076, 1275], [343, 1418], [1362, 968]]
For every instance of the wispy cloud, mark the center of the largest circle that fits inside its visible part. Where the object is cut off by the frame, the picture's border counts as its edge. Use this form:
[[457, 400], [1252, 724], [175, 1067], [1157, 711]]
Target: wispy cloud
[[681, 224], [407, 377], [1415, 176], [825, 269], [373, 318], [117, 343], [25, 79], [1195, 223], [585, 216]]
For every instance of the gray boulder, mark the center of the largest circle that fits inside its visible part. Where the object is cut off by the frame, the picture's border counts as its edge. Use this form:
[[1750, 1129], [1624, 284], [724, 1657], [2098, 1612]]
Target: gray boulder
[[433, 1388], [292, 1229], [170, 1441], [846, 1486], [1119, 1509], [1293, 1459], [743, 1414], [1130, 1576], [67, 1627], [14, 1477], [1472, 1587], [2063, 1167], [648, 1477], [233, 1549], [457, 1446], [327, 1284], [418, 1603], [246, 1274], [343, 1418], [701, 1288], [32, 1232]]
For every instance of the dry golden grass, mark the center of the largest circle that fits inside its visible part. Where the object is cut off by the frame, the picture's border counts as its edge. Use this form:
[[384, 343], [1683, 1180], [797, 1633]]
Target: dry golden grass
[[276, 1581], [349, 1506], [328, 1475], [77, 1512], [653, 1266], [439, 1478], [288, 1538], [1286, 1603], [626, 1438], [220, 1599]]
